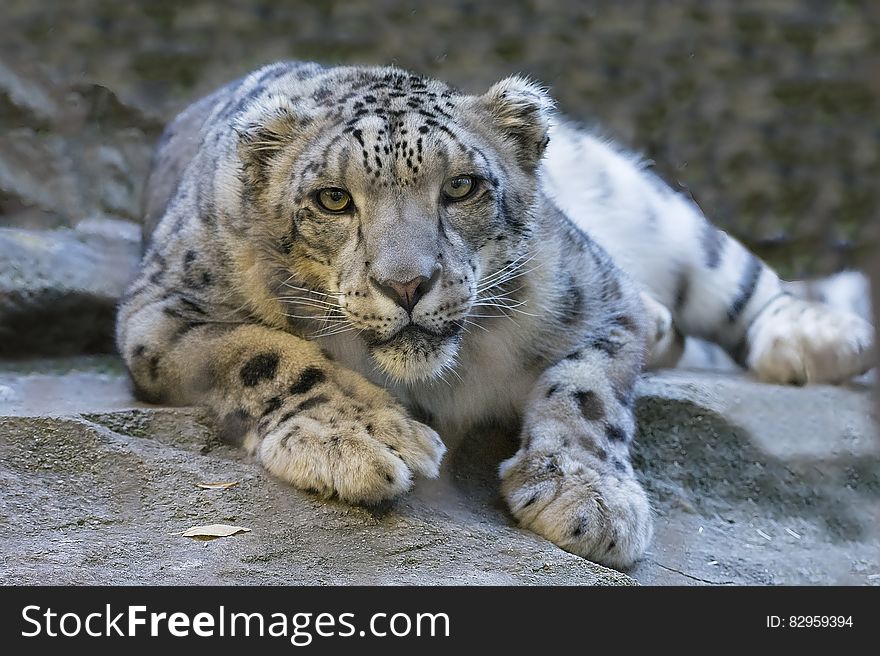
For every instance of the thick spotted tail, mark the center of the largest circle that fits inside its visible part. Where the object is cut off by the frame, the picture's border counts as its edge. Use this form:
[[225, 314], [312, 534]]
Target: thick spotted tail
[[712, 285], [726, 295], [848, 293]]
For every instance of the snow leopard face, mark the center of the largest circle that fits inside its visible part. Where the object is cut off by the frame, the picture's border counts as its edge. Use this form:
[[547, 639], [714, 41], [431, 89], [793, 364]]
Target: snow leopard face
[[401, 205]]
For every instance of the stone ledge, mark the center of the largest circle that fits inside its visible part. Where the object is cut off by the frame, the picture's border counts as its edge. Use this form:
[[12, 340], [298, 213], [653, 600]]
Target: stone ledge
[[751, 484], [59, 288]]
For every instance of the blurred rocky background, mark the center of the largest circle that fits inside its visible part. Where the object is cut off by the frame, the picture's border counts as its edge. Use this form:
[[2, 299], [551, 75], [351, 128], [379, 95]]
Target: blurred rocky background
[[767, 112]]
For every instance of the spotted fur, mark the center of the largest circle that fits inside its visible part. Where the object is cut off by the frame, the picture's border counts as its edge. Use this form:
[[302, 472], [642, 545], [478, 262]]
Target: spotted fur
[[287, 320]]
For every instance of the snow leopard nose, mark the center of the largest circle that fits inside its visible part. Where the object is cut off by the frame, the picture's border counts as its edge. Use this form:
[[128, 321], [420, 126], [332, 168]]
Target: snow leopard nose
[[407, 294]]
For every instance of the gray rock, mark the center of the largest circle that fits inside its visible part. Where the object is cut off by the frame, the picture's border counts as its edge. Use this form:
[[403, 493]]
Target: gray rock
[[751, 484], [68, 150], [759, 484], [94, 494], [59, 289], [25, 98]]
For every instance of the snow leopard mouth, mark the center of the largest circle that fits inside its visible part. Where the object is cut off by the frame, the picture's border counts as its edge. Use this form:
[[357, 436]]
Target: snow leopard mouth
[[415, 353], [414, 335]]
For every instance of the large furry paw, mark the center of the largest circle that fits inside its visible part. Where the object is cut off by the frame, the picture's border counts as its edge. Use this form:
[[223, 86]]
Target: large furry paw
[[340, 447], [797, 341], [603, 517], [665, 342]]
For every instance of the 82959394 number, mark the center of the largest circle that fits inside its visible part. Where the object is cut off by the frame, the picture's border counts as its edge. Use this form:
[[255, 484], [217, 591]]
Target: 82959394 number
[[809, 621]]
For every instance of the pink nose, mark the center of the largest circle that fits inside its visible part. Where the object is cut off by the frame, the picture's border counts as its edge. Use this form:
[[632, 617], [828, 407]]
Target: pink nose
[[406, 294]]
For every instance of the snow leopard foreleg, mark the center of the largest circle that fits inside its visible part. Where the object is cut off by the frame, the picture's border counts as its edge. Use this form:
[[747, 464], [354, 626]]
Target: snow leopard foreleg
[[571, 479]]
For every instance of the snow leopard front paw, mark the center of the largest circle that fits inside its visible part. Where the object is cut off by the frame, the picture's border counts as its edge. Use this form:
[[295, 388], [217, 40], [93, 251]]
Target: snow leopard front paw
[[339, 446], [797, 341], [604, 517]]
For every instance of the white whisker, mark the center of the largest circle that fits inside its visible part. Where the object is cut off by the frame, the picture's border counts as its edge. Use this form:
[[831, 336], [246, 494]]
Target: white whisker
[[474, 323], [513, 305], [512, 275], [303, 300], [308, 301], [332, 330], [500, 300], [310, 291], [315, 318], [512, 264]]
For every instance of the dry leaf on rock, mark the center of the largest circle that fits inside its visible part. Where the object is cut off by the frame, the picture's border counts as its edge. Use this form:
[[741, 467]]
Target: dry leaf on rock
[[213, 531], [216, 486]]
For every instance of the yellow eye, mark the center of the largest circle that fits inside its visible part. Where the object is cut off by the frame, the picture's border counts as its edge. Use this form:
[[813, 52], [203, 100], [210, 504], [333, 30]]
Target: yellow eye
[[334, 200], [459, 187]]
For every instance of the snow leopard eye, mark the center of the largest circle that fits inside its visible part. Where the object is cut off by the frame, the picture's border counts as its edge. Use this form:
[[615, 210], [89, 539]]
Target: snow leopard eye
[[458, 187], [334, 199]]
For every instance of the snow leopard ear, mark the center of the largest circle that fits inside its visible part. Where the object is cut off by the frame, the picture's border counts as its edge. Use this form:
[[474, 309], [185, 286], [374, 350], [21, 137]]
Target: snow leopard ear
[[264, 131], [521, 109]]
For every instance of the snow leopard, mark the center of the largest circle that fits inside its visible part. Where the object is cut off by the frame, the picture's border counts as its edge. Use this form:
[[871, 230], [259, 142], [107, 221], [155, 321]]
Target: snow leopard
[[353, 267]]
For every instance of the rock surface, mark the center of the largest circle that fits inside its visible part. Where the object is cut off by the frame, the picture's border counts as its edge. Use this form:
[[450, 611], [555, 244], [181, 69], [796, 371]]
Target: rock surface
[[751, 484], [59, 288], [765, 111], [69, 150]]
